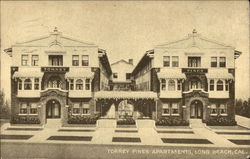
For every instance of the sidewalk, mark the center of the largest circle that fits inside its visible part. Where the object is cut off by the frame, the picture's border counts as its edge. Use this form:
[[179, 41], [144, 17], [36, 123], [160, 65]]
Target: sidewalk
[[243, 121]]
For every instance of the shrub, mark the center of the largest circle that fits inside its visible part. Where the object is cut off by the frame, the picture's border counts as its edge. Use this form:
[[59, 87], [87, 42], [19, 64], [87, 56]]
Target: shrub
[[126, 121], [80, 119], [167, 121], [25, 120], [221, 121]]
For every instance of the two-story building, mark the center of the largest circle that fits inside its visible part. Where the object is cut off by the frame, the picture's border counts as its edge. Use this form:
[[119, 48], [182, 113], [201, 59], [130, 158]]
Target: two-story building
[[56, 77], [194, 78]]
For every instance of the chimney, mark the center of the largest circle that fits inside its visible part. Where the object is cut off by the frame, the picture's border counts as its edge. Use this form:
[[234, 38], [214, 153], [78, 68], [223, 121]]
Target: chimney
[[130, 61]]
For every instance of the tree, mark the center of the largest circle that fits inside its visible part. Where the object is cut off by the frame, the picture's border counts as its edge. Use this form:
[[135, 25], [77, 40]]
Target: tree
[[4, 107]]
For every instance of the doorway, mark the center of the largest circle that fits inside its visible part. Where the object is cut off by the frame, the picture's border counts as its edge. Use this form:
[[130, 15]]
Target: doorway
[[196, 109], [53, 109]]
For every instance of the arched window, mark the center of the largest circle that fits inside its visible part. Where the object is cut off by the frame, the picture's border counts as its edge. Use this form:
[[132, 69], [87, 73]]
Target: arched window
[[79, 84], [125, 109], [171, 85], [220, 85], [27, 84], [195, 83], [55, 82]]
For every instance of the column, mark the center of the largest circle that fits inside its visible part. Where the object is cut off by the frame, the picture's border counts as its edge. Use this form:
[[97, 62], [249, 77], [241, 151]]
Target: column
[[40, 83], [32, 83], [167, 84], [215, 84], [224, 85], [22, 83]]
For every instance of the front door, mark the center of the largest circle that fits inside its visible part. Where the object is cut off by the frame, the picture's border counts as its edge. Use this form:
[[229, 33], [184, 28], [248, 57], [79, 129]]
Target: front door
[[196, 109], [53, 109]]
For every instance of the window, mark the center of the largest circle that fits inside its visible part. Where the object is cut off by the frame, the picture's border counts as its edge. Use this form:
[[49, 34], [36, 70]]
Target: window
[[179, 85], [219, 85], [195, 83], [175, 109], [213, 61], [55, 82], [213, 109], [115, 75], [85, 60], [75, 60], [165, 109], [20, 84], [87, 84], [23, 108], [71, 84], [27, 84], [33, 108], [34, 60], [171, 85], [24, 60], [163, 84], [55, 60], [76, 108], [79, 84], [222, 109], [211, 85], [128, 76], [175, 61], [194, 61], [166, 61], [36, 84], [85, 108], [227, 85], [222, 61]]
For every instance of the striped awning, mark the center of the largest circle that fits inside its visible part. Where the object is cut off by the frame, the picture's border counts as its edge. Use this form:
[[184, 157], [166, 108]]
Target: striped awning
[[79, 73], [219, 74], [28, 73], [126, 95], [171, 74]]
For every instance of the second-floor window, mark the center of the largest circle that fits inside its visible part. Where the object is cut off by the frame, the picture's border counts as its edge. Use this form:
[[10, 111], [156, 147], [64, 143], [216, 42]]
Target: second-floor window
[[20, 84], [87, 84], [128, 75], [34, 60], [36, 84], [171, 85], [220, 85], [85, 60], [211, 85], [213, 61], [227, 85], [24, 60], [194, 61], [27, 84], [175, 61], [222, 61], [55, 60], [166, 61], [163, 84], [79, 84], [75, 60]]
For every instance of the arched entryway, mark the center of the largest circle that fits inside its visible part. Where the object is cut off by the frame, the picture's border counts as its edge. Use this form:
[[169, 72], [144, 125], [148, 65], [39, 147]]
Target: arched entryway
[[196, 109], [53, 109], [125, 109]]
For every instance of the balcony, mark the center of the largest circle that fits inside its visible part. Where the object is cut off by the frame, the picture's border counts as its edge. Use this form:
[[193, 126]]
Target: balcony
[[80, 94], [218, 94], [28, 93], [170, 94]]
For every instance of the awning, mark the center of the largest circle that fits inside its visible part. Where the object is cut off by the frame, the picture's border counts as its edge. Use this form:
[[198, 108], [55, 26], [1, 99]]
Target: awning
[[171, 74], [28, 73], [219, 74], [126, 94], [79, 73]]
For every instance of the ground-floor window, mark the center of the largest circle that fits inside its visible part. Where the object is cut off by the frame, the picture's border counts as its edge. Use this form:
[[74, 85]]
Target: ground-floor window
[[80, 108], [170, 108], [218, 109], [28, 108]]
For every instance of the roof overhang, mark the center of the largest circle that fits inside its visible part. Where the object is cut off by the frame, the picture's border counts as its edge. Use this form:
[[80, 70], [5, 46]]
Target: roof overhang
[[171, 74], [219, 74], [80, 73], [28, 73]]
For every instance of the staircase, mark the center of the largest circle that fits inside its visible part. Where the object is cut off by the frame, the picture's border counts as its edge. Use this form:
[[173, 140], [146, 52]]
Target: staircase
[[53, 123], [196, 123]]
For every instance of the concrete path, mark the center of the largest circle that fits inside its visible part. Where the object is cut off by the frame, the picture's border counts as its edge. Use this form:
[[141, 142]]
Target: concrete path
[[243, 121]]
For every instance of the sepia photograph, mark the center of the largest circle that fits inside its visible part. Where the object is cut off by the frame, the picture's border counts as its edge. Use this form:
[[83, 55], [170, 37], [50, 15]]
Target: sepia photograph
[[124, 79]]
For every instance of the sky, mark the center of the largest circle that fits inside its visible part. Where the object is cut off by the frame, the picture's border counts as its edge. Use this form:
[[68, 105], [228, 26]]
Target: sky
[[126, 29]]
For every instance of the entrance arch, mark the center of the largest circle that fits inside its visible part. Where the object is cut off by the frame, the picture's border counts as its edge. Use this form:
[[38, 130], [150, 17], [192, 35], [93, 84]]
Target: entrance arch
[[196, 109], [125, 109], [53, 109]]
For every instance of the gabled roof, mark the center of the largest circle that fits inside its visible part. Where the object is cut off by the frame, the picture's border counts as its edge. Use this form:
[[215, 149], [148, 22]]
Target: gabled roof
[[121, 61], [55, 38], [194, 40]]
